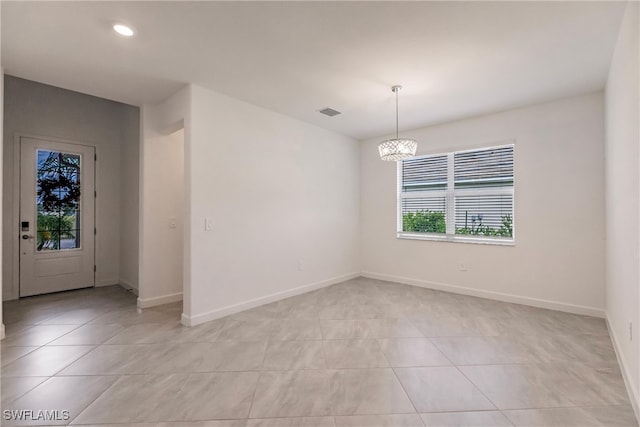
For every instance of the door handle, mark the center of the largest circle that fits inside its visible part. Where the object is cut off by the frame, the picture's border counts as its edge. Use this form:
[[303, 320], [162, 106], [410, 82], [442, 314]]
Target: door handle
[[26, 237]]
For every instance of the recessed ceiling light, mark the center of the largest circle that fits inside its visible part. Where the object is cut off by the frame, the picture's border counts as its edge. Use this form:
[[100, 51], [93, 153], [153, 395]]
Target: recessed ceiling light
[[123, 30]]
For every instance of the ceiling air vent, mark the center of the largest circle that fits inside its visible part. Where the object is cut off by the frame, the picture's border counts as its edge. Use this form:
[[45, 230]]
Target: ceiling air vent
[[330, 112]]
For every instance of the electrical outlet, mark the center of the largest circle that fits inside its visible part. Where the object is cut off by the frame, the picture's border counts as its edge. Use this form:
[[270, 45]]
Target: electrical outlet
[[462, 266], [300, 265], [173, 222]]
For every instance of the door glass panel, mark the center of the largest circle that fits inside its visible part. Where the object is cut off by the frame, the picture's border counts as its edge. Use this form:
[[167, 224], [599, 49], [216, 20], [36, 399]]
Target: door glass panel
[[58, 200]]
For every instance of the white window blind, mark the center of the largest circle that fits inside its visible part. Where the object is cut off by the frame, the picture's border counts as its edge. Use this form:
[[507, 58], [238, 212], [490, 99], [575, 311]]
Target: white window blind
[[424, 194], [459, 195]]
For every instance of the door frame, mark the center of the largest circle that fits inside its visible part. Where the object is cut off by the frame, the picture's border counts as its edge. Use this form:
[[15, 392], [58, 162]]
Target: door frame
[[15, 196]]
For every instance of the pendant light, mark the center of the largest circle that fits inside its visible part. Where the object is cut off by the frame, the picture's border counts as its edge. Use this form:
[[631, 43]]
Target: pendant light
[[397, 148]]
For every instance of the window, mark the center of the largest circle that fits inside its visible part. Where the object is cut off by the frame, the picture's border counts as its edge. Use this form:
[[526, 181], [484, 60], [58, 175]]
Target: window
[[458, 196], [58, 201]]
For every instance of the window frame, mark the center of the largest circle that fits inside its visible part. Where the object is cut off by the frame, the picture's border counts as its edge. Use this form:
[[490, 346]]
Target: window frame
[[450, 194]]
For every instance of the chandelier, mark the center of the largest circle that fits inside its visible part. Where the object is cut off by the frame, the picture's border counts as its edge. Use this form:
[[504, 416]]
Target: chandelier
[[397, 148]]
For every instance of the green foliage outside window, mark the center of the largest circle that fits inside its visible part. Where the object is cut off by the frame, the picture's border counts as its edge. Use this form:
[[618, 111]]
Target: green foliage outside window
[[53, 228], [478, 229], [424, 222]]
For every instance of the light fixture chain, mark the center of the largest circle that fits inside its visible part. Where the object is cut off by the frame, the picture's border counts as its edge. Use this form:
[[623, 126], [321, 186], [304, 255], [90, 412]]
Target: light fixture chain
[[396, 91]]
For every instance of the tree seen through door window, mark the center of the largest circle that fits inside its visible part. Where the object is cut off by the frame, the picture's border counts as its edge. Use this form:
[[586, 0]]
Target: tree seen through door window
[[58, 200]]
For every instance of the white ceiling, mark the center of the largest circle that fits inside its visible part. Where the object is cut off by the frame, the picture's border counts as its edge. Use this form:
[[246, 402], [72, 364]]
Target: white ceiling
[[454, 59]]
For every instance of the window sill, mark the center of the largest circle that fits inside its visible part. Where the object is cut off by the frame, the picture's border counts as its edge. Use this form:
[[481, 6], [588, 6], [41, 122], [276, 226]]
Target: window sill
[[456, 239]]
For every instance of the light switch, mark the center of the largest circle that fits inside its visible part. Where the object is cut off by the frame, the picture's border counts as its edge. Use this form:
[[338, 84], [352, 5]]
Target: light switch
[[173, 222], [208, 224]]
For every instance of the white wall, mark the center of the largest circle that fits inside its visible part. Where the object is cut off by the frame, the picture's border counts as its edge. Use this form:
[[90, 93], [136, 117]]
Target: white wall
[[164, 204], [283, 196], [161, 272], [48, 111], [558, 257], [623, 187]]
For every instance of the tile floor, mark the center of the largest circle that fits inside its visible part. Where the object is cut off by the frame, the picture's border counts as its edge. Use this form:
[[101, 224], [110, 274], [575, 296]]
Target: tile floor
[[360, 353]]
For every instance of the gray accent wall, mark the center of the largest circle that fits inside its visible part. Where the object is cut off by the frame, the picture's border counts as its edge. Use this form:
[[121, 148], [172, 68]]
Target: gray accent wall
[[45, 111]]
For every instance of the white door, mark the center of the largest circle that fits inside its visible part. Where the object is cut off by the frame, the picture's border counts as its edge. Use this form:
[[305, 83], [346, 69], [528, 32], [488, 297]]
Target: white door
[[57, 206]]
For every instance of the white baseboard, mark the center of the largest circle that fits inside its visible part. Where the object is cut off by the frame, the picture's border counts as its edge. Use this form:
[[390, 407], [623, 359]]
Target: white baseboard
[[163, 299], [128, 286], [624, 368], [517, 299], [256, 302]]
